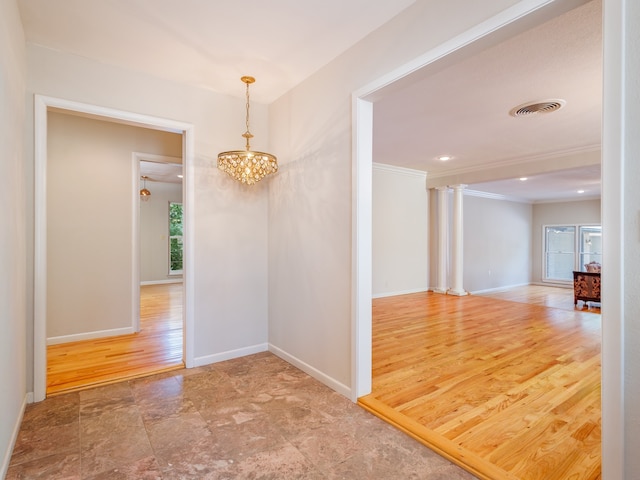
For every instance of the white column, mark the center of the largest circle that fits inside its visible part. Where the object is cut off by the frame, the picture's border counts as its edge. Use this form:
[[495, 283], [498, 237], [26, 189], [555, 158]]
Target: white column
[[457, 269], [443, 243], [428, 245]]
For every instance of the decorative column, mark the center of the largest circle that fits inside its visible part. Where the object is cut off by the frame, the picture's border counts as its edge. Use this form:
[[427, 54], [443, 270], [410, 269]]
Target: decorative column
[[428, 220], [457, 269], [443, 243]]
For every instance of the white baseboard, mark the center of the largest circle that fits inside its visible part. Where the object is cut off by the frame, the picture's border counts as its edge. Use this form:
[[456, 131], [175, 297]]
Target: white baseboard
[[498, 289], [161, 282], [6, 458], [89, 335], [401, 292], [554, 284], [308, 369], [221, 357]]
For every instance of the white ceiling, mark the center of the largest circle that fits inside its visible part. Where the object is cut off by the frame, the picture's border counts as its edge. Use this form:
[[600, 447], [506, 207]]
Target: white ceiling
[[209, 43], [164, 172], [461, 110]]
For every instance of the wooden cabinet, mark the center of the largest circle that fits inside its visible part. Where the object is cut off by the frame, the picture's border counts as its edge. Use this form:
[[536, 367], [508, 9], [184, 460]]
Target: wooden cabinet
[[586, 287]]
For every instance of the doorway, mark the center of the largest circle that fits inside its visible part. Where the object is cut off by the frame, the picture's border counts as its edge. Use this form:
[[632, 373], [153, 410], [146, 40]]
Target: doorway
[[490, 33], [111, 346], [159, 226], [44, 105], [363, 139]]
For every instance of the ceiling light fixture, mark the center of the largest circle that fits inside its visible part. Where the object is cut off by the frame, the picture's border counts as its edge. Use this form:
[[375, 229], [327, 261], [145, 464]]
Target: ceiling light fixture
[[523, 179], [444, 158], [580, 191], [144, 193], [244, 165]]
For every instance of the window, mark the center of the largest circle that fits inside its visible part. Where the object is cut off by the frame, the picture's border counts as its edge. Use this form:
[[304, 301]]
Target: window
[[175, 238], [559, 254], [590, 245], [568, 248]]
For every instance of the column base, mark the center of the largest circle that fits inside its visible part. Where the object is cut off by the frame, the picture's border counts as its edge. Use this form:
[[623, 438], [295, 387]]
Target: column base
[[457, 293], [440, 290]]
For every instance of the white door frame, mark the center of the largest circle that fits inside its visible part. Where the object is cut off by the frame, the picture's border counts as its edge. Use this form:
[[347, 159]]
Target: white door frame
[[41, 106], [516, 18]]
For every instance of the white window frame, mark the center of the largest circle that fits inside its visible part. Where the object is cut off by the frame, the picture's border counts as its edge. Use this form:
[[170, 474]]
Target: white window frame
[[576, 250]]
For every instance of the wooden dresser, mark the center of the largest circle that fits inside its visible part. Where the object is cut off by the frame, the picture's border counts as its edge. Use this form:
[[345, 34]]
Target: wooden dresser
[[586, 287]]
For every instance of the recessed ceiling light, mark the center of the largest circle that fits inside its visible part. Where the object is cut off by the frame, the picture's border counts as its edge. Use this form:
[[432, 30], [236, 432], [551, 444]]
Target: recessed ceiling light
[[523, 179], [580, 191], [444, 158], [179, 176]]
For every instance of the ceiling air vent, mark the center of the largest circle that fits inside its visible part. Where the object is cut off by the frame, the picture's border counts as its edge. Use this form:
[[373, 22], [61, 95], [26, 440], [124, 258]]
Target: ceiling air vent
[[546, 106]]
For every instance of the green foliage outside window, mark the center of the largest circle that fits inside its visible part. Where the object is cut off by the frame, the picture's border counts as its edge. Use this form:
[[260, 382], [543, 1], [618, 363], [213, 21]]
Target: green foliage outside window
[[175, 237]]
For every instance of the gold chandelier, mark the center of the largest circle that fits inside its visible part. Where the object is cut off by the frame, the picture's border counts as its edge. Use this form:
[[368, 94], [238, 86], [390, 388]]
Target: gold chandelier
[[244, 165], [144, 193]]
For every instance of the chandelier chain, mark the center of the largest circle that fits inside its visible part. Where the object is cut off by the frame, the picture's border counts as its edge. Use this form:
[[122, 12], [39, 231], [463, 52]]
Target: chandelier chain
[[247, 105], [247, 134]]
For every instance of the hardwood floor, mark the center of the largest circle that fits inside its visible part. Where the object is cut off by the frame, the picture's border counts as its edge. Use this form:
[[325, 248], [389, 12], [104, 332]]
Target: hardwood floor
[[556, 297], [156, 348], [507, 390]]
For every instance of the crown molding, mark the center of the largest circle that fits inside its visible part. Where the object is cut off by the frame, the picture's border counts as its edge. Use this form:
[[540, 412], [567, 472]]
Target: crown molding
[[515, 162], [399, 170]]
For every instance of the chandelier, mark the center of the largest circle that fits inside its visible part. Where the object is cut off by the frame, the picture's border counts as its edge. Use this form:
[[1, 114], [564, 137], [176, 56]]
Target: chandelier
[[244, 165], [144, 193]]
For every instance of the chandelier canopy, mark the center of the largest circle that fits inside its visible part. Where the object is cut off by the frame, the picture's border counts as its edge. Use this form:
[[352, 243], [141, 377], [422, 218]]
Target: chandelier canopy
[[245, 165]]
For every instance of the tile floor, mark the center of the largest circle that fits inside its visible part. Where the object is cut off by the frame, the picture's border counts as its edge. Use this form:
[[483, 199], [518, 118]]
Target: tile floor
[[255, 417]]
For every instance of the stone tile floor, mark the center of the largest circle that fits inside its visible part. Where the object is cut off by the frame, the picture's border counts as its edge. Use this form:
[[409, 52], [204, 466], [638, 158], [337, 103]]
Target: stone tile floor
[[255, 417]]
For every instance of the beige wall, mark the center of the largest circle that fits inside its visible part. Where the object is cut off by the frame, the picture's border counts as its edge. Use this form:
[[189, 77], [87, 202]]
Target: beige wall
[[400, 232], [90, 202], [13, 260], [497, 243]]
